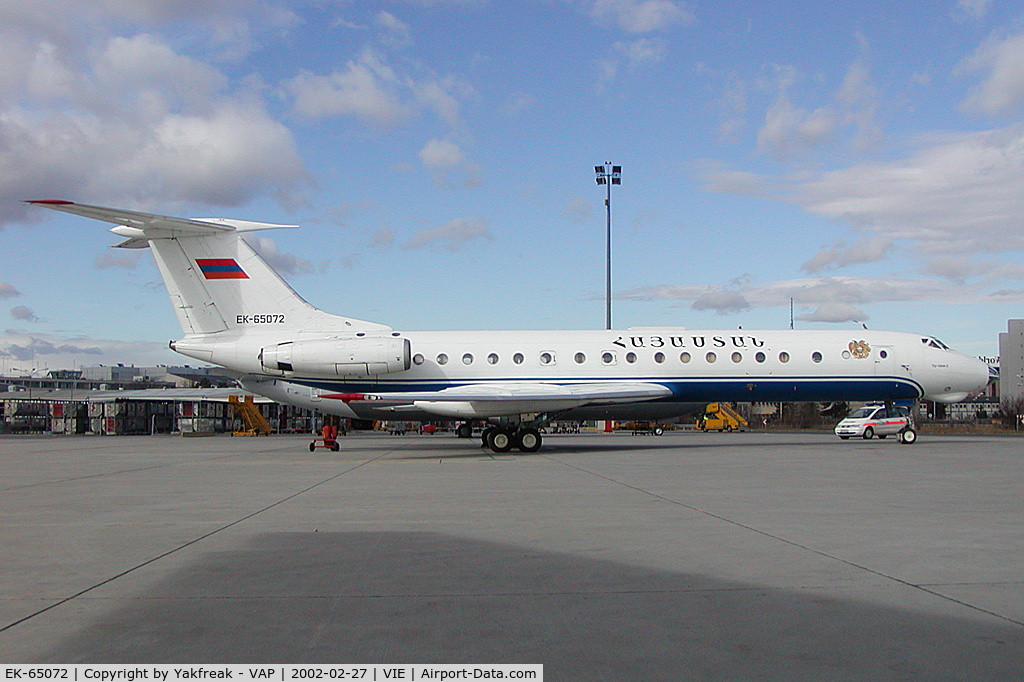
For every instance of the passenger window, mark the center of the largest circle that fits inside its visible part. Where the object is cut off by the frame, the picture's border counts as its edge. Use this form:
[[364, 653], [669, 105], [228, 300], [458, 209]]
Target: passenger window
[[710, 357], [608, 357], [816, 356], [547, 358], [518, 358], [736, 357], [580, 358], [783, 356], [492, 359], [684, 358], [467, 359], [631, 358], [442, 359], [659, 358]]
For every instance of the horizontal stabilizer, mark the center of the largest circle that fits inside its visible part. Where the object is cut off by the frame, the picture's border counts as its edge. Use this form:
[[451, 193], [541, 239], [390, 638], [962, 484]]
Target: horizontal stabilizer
[[150, 226]]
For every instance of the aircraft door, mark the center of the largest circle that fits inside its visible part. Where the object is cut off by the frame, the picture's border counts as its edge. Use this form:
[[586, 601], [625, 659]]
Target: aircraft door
[[889, 364]]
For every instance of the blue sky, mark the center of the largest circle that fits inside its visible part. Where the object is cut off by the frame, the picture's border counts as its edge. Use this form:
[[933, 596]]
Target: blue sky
[[863, 159]]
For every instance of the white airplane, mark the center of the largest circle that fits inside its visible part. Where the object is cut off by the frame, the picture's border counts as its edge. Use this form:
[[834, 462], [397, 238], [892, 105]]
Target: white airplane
[[238, 313]]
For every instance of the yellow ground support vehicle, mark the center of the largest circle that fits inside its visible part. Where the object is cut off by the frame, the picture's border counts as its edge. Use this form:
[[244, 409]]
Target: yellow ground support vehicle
[[246, 410], [720, 417]]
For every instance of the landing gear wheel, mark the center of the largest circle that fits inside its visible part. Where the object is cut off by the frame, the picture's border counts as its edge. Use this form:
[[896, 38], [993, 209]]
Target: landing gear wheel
[[528, 439], [500, 440], [335, 447], [868, 433], [908, 436], [464, 431], [485, 437], [658, 431], [312, 447]]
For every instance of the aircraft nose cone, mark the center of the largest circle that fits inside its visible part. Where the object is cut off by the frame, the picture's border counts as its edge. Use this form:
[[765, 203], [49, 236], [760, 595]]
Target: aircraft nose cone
[[967, 375]]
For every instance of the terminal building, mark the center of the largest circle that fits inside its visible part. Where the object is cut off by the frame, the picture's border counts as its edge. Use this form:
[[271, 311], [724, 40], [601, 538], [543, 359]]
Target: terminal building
[[1011, 362], [189, 411]]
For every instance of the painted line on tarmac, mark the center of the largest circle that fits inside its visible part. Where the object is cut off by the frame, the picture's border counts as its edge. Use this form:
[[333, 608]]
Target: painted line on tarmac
[[194, 541], [923, 587]]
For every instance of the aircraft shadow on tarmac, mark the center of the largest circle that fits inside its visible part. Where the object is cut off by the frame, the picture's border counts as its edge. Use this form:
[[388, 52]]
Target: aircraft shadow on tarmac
[[407, 597], [447, 448]]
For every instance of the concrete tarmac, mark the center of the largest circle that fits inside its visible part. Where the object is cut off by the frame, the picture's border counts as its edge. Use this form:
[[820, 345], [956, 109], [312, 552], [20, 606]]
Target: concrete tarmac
[[605, 557]]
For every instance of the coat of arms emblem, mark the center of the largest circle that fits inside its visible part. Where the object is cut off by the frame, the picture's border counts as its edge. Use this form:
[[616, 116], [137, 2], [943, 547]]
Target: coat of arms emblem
[[860, 349]]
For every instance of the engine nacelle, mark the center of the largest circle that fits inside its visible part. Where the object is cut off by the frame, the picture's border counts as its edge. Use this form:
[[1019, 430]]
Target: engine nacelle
[[342, 356]]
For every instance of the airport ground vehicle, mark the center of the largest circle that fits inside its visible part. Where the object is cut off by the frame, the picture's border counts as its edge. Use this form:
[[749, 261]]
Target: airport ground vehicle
[[329, 441], [720, 417], [878, 420]]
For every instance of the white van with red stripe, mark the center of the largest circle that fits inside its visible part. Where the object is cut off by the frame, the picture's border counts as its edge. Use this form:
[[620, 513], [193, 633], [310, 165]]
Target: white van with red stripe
[[874, 420]]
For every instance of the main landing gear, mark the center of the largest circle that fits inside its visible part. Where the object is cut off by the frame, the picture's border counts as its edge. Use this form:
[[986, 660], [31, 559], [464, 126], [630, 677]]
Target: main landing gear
[[511, 434], [505, 438]]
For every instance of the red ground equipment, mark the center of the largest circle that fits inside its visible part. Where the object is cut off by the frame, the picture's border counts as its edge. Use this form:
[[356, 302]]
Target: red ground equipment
[[329, 441]]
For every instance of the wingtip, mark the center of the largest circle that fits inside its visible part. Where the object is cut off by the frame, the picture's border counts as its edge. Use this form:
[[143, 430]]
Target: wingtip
[[50, 202]]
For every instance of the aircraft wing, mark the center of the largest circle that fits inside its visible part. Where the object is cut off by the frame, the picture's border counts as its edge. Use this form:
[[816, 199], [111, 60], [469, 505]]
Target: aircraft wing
[[509, 398]]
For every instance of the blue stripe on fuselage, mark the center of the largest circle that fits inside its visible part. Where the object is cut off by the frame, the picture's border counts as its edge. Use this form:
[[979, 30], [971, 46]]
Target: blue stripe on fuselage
[[746, 389]]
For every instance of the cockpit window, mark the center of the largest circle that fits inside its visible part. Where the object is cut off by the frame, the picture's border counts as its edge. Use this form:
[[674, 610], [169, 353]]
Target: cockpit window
[[934, 343]]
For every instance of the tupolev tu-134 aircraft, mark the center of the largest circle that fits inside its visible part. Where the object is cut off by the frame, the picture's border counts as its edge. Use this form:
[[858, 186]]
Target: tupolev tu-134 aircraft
[[238, 313]]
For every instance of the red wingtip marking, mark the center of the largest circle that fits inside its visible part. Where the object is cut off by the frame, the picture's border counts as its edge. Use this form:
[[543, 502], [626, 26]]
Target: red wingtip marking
[[52, 202]]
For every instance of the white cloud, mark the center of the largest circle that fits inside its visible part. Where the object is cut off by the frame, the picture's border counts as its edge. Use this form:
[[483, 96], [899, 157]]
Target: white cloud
[[23, 313], [367, 89], [634, 54], [732, 109], [958, 193], [957, 268], [397, 32], [721, 301], [126, 259], [642, 16], [971, 9], [371, 90], [441, 154], [840, 255], [131, 120], [578, 210], [142, 67], [48, 350], [836, 298], [442, 157], [382, 238], [284, 263], [1002, 90], [790, 130], [442, 97], [451, 236], [834, 312]]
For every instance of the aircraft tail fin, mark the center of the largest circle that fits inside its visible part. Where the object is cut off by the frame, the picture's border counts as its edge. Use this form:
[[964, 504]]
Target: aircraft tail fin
[[216, 281]]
